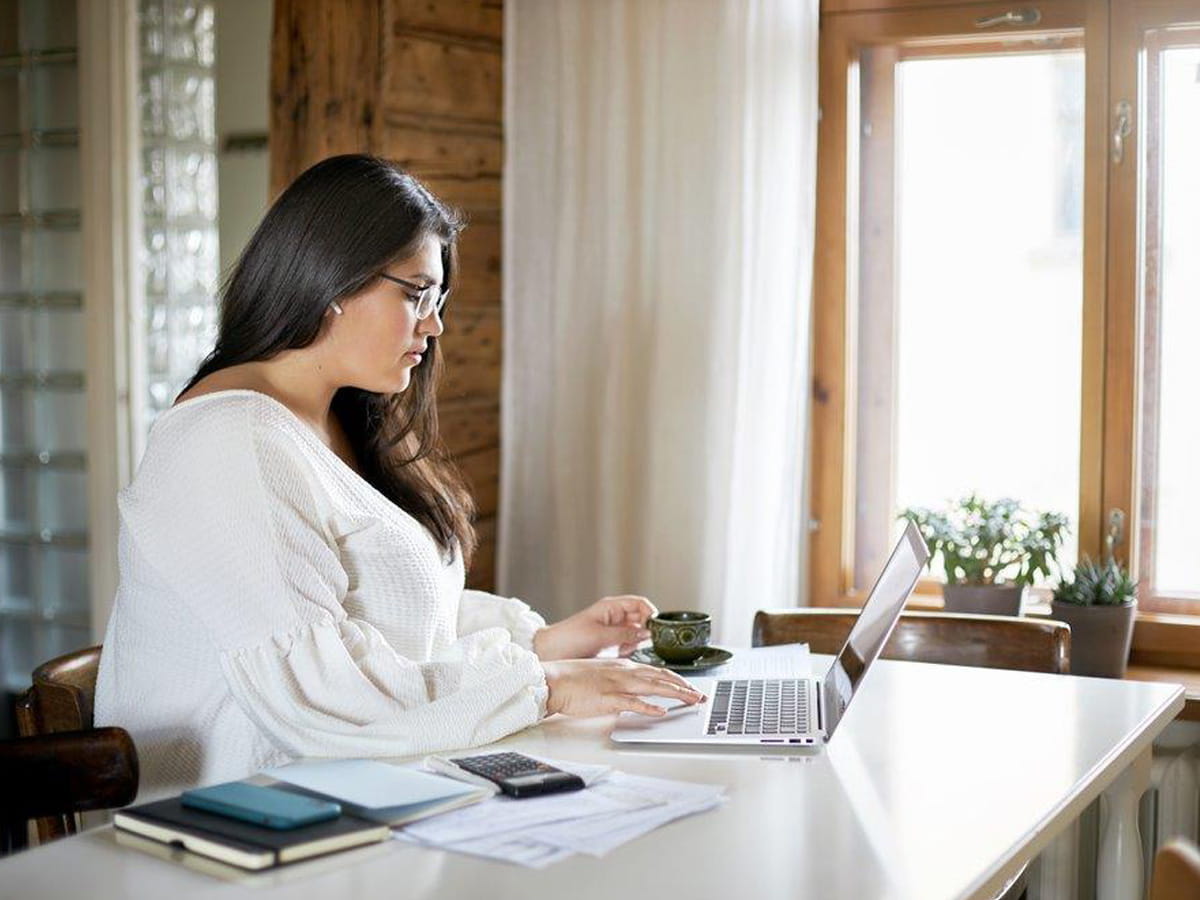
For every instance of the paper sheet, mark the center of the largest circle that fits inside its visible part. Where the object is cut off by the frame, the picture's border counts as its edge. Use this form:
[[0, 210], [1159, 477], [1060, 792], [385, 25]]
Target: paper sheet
[[598, 835], [779, 661], [539, 831]]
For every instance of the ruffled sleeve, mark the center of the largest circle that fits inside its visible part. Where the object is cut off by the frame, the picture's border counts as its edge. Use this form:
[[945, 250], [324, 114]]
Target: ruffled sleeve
[[478, 610], [235, 528]]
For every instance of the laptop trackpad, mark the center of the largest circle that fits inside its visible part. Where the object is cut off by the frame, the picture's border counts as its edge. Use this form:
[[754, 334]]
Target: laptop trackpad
[[680, 722]]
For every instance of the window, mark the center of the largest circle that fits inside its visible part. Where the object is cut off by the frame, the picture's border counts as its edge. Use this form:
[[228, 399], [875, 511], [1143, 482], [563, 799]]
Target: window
[[1006, 285]]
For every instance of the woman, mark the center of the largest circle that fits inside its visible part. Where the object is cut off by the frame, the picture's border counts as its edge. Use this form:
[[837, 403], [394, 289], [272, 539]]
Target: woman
[[292, 547]]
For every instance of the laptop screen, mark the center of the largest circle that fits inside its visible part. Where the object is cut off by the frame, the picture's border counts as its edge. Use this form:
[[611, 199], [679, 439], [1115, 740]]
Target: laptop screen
[[875, 623]]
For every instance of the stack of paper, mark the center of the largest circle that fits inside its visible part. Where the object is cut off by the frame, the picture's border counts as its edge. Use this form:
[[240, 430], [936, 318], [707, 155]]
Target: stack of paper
[[543, 830]]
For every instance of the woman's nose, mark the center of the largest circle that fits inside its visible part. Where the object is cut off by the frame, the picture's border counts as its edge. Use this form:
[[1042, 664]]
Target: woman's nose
[[431, 324]]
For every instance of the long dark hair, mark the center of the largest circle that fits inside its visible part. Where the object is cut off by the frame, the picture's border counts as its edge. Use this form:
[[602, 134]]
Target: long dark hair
[[326, 237]]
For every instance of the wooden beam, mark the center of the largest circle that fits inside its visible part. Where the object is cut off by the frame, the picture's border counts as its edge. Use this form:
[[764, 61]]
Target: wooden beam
[[325, 78]]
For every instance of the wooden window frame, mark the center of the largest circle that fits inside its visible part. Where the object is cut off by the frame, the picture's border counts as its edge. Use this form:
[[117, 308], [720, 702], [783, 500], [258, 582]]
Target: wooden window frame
[[1111, 329], [1137, 26]]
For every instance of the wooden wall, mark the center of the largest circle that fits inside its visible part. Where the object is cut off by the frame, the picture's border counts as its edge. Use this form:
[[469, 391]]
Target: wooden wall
[[843, 6], [418, 81]]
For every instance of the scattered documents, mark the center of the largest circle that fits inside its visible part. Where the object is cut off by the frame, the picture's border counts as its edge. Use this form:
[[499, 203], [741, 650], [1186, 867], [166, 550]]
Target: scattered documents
[[536, 832], [377, 791]]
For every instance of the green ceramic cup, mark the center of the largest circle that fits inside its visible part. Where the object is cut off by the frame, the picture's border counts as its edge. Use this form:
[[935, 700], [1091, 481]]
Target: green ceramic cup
[[680, 636]]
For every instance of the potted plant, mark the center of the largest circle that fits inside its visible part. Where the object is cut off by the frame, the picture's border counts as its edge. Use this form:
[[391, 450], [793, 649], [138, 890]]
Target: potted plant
[[1099, 603], [990, 550]]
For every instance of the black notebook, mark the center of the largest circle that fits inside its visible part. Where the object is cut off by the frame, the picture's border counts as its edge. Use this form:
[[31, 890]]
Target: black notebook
[[241, 843]]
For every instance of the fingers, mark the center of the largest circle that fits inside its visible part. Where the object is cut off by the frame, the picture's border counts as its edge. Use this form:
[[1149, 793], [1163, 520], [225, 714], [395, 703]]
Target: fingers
[[687, 694], [668, 677], [636, 610], [631, 703], [630, 635], [658, 682]]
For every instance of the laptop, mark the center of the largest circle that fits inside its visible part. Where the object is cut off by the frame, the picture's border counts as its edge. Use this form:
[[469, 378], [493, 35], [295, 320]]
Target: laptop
[[795, 712]]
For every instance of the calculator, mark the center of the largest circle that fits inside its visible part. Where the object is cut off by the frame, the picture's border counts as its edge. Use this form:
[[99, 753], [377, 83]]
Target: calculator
[[518, 775]]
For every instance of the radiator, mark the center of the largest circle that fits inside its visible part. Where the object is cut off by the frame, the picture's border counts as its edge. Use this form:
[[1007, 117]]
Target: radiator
[[1170, 808]]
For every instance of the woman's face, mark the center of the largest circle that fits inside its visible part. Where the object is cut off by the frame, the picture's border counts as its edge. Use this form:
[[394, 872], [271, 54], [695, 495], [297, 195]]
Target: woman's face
[[378, 340]]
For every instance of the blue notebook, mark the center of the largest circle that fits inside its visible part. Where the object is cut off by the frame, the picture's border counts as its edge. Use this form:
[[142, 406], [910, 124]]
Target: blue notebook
[[378, 791]]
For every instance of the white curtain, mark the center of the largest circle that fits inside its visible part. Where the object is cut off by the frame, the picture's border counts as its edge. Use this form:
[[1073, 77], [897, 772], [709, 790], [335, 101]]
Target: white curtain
[[659, 196]]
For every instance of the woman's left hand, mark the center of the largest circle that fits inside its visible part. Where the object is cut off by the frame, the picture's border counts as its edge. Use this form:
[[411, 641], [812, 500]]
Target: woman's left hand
[[612, 622]]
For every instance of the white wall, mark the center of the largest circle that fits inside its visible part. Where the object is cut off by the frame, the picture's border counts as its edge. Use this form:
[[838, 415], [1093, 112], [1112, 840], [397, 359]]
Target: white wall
[[243, 83]]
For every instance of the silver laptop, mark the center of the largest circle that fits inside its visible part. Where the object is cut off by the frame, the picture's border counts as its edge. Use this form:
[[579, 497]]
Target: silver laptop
[[791, 711]]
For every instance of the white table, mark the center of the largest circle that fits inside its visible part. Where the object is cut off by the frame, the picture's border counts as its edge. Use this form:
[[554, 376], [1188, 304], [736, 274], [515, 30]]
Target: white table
[[941, 783]]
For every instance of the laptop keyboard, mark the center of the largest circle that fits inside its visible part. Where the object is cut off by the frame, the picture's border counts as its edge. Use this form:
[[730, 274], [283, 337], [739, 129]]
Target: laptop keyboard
[[760, 706]]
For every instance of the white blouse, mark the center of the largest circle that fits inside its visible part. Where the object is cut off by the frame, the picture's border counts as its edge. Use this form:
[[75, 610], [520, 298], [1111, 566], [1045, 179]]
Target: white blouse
[[273, 605]]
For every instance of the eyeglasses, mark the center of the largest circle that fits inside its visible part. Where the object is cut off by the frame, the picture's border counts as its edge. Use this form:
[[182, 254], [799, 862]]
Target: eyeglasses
[[427, 300]]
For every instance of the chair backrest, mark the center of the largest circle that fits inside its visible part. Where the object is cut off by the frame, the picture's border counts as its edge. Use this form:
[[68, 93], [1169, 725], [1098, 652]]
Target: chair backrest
[[995, 642], [1176, 872], [60, 700], [53, 777], [62, 695]]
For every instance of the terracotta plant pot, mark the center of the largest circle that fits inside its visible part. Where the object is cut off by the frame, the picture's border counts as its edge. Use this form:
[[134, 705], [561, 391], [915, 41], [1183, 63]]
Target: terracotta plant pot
[[1100, 637], [983, 599]]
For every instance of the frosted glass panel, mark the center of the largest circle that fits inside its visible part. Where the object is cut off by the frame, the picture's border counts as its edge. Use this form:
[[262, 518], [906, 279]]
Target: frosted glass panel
[[16, 499], [59, 340], [62, 500], [64, 580], [193, 179], [61, 419], [60, 639], [43, 409], [11, 279], [55, 97], [179, 192], [16, 420], [49, 25], [57, 261], [10, 182], [54, 178], [190, 31], [14, 339], [10, 103], [18, 651], [191, 107], [16, 577], [8, 27]]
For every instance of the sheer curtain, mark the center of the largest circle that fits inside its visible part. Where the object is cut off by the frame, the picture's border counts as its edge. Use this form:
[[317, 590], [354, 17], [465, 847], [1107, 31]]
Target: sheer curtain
[[659, 195]]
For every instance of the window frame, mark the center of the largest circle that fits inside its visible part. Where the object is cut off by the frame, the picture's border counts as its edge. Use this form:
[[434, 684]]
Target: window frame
[[1110, 424], [1132, 23]]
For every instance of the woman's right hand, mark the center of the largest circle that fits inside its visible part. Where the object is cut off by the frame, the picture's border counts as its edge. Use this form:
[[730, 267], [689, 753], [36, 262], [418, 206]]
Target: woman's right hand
[[597, 687]]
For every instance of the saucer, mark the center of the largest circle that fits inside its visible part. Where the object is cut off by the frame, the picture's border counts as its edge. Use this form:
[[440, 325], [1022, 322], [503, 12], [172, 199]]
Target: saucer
[[712, 656]]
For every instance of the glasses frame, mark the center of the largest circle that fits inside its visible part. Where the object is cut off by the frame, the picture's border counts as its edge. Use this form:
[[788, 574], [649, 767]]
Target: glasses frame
[[431, 298]]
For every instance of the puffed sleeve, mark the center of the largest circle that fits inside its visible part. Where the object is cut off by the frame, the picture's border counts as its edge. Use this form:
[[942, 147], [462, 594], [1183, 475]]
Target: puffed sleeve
[[236, 530], [478, 610]]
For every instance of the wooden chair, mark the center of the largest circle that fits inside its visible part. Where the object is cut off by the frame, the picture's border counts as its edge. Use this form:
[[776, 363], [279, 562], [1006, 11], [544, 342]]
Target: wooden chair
[[53, 777], [60, 700], [994, 642], [1176, 872], [62, 695]]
